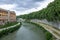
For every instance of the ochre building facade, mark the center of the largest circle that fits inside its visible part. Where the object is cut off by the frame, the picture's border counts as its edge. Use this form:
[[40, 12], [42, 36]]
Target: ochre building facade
[[7, 16]]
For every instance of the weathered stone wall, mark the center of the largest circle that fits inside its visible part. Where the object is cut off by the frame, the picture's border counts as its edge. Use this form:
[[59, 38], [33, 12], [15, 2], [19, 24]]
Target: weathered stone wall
[[54, 24], [1, 23]]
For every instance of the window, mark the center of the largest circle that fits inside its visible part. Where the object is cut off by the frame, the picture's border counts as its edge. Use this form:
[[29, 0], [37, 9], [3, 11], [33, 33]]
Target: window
[[0, 14]]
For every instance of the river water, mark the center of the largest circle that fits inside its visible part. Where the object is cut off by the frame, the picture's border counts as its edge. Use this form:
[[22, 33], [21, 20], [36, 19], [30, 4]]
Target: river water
[[26, 32]]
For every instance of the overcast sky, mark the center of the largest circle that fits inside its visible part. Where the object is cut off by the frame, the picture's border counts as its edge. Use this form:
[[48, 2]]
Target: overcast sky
[[24, 6]]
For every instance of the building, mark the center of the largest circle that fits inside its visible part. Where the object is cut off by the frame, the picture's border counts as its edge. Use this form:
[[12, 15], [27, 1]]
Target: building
[[7, 16], [20, 20]]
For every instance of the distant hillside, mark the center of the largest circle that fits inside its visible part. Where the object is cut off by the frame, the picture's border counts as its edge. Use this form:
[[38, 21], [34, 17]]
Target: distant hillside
[[51, 13]]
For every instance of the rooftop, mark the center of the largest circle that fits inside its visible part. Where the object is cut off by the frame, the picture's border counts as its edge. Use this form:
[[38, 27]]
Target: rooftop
[[4, 10]]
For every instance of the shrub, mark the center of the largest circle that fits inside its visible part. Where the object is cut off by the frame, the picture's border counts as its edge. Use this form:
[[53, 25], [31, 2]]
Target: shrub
[[10, 30]]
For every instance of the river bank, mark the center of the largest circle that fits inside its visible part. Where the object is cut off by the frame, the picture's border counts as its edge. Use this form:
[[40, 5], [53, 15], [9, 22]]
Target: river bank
[[6, 31], [48, 35], [8, 24], [27, 31]]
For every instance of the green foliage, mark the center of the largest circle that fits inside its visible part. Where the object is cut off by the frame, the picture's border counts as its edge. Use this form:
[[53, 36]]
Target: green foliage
[[8, 24], [51, 13], [48, 35], [10, 30]]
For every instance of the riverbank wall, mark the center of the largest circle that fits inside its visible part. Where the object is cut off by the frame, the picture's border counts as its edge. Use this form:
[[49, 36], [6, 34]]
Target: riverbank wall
[[6, 31], [49, 34], [55, 24]]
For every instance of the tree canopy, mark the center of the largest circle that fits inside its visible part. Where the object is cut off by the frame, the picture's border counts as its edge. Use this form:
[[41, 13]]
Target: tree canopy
[[51, 13]]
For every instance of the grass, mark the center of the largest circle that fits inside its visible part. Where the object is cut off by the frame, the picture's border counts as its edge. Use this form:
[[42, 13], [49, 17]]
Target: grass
[[8, 24]]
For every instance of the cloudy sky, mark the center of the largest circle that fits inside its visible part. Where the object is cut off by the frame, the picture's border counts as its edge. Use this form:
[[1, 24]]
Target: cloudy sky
[[24, 6]]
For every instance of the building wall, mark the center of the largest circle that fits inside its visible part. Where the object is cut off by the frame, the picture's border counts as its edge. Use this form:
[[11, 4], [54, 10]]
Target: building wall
[[12, 16], [7, 16]]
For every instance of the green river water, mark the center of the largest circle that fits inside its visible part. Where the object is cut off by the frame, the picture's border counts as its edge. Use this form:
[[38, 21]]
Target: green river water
[[26, 32]]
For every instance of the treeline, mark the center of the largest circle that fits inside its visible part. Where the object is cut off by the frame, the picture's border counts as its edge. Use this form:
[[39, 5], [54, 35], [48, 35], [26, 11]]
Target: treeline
[[51, 13]]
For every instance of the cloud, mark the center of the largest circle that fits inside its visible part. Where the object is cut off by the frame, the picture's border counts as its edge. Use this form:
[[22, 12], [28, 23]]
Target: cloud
[[28, 3], [8, 6], [21, 3], [24, 6], [41, 5]]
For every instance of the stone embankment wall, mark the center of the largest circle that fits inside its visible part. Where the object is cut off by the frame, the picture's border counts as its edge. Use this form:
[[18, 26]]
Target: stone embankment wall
[[54, 24], [6, 31]]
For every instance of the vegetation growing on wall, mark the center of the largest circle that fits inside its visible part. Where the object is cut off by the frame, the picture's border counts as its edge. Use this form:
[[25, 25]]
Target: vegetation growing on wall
[[48, 35], [10, 30], [8, 24], [51, 13]]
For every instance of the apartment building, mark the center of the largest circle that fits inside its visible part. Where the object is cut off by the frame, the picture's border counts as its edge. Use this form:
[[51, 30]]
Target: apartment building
[[7, 16]]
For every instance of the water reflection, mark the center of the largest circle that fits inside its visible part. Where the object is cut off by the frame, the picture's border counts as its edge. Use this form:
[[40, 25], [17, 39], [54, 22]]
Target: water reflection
[[26, 32], [11, 36]]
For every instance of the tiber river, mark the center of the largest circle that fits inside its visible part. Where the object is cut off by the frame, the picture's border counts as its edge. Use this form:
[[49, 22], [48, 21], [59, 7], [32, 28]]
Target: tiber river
[[26, 32]]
